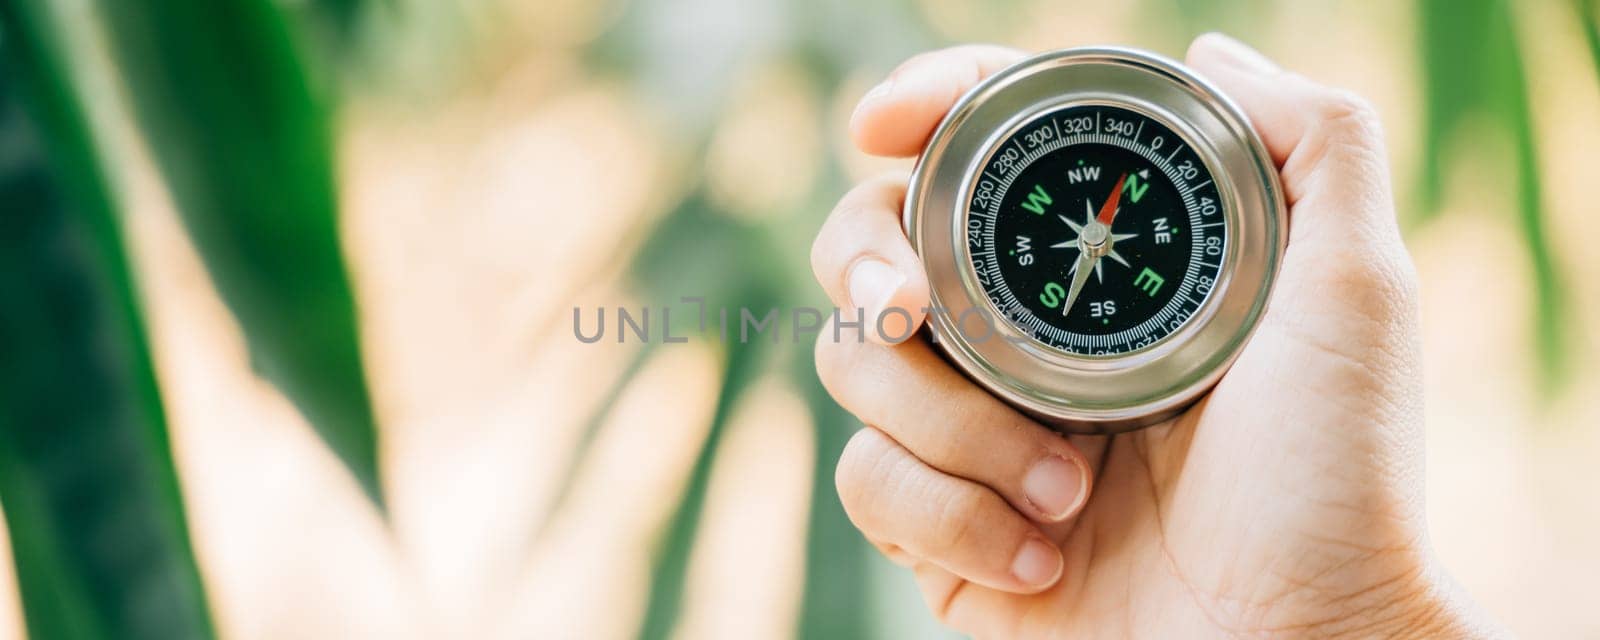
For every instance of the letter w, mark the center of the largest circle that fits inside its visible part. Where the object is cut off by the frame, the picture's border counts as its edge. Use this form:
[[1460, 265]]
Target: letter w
[[1037, 200]]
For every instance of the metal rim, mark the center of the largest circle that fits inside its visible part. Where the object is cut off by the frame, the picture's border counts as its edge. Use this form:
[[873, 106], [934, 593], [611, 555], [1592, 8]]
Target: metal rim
[[1098, 394]]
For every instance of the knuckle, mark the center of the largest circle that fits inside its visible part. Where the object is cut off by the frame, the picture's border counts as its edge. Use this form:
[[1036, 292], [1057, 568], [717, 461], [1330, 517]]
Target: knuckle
[[872, 479], [1344, 120], [1342, 151], [855, 225], [834, 360], [921, 58], [819, 254], [1408, 285], [866, 467], [1372, 277], [953, 529], [1343, 106], [833, 241]]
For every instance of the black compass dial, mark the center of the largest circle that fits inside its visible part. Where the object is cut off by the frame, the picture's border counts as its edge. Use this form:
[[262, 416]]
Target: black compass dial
[[1096, 230]]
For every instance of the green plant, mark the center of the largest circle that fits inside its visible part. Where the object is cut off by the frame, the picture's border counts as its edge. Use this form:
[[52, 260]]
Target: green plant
[[236, 98], [224, 94], [1589, 21], [86, 474], [1475, 67], [84, 457]]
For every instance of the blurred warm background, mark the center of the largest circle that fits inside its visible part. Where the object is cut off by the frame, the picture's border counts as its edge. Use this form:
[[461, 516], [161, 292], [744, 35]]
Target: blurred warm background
[[500, 162]]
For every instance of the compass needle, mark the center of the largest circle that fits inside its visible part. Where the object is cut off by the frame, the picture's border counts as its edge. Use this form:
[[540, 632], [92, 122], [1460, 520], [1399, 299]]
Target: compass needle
[[1080, 275], [1115, 256], [1149, 149], [1076, 228]]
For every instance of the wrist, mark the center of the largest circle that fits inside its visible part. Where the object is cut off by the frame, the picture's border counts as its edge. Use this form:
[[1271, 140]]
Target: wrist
[[1433, 606]]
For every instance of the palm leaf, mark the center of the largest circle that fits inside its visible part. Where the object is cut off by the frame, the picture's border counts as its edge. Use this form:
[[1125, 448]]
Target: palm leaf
[[698, 250], [1472, 65], [671, 567], [1589, 21], [242, 136], [588, 434], [86, 473], [1549, 293], [836, 585]]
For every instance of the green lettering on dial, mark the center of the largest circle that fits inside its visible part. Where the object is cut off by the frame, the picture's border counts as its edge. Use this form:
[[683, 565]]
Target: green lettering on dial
[[1053, 293], [1149, 281], [1037, 200]]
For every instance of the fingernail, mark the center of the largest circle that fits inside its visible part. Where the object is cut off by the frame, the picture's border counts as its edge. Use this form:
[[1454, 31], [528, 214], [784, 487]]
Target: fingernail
[[872, 283], [1054, 486], [879, 91], [1038, 563], [873, 95], [1240, 54]]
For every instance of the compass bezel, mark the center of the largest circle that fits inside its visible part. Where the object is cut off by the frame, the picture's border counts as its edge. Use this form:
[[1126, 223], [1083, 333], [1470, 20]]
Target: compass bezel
[[1098, 393]]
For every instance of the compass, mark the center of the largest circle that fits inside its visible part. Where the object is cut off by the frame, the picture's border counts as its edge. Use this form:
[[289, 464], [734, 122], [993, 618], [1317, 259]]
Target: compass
[[1101, 229]]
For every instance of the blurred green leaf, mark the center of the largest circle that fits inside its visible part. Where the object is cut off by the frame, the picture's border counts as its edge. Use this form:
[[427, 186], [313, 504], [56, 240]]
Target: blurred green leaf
[[222, 92], [700, 251], [1450, 29], [1589, 21], [97, 523], [1549, 294], [1472, 66], [836, 588], [589, 432], [341, 15], [1179, 21], [740, 368]]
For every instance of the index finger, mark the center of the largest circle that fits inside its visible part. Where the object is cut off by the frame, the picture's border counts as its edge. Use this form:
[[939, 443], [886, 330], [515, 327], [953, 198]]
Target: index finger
[[896, 117]]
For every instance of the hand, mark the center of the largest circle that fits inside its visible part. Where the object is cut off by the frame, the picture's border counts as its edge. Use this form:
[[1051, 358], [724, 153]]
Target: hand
[[1287, 501]]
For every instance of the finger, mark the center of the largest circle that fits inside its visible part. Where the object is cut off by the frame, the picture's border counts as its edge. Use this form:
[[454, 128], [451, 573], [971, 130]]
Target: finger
[[896, 117], [1327, 142], [892, 496], [1345, 256], [1346, 286], [940, 588], [864, 262], [942, 418], [895, 554]]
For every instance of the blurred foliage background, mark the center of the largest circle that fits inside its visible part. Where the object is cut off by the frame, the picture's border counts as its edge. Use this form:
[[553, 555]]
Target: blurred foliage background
[[288, 287]]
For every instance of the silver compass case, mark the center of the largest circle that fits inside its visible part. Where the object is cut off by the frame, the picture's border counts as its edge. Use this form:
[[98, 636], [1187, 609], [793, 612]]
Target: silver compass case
[[1084, 393]]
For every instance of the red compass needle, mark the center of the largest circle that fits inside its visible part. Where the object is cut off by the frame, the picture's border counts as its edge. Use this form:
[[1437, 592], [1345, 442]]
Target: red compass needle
[[1108, 211]]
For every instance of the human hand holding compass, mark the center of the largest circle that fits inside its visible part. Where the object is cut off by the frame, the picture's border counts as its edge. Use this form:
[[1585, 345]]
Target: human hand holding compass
[[1285, 501]]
